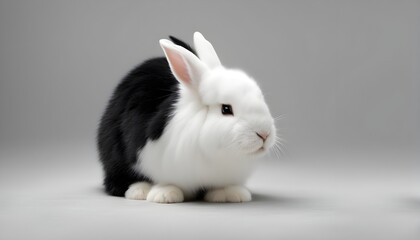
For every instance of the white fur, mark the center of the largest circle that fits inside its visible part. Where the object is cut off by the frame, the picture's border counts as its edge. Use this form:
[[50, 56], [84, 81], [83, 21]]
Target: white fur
[[138, 191], [205, 51], [200, 147], [161, 193]]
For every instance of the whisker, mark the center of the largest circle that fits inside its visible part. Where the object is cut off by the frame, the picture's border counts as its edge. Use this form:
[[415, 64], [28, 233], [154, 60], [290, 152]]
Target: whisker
[[280, 117], [279, 152], [276, 151]]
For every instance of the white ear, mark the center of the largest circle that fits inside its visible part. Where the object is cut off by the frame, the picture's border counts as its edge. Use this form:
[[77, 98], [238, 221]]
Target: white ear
[[185, 66], [206, 51]]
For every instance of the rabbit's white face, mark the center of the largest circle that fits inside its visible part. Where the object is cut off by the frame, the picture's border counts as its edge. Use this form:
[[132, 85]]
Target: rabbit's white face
[[238, 121]]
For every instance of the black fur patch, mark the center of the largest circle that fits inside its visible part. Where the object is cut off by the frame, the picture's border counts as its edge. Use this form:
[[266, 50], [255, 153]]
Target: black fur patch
[[182, 44], [139, 110]]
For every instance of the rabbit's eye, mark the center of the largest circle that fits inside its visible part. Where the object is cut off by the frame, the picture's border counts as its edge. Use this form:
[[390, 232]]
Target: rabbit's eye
[[227, 109]]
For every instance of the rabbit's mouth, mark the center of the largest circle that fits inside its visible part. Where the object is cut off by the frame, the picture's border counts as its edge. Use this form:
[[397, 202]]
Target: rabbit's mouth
[[259, 150]]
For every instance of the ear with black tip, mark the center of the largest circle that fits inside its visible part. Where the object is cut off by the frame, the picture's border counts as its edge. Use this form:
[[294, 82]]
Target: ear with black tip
[[182, 44], [185, 66]]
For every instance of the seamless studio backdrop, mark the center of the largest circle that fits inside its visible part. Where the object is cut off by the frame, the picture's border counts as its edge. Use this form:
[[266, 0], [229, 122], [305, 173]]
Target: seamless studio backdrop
[[342, 77]]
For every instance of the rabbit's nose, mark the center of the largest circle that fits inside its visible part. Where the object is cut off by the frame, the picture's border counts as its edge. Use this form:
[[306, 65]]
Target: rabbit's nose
[[262, 135]]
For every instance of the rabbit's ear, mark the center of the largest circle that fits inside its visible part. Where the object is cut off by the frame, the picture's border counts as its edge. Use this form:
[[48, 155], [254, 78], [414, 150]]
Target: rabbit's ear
[[185, 66], [206, 51]]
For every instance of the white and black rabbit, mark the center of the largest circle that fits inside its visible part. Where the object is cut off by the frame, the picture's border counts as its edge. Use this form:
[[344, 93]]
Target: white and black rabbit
[[182, 126]]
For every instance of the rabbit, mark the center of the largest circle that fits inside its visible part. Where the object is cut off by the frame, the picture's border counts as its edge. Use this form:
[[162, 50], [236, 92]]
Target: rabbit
[[182, 126]]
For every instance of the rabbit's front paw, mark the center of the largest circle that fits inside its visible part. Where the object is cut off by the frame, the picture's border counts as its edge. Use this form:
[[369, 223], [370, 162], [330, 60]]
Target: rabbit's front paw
[[138, 191], [165, 194], [232, 194]]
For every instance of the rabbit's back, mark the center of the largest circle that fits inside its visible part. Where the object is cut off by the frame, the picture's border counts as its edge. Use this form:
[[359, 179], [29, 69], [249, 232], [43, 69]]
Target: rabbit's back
[[138, 110]]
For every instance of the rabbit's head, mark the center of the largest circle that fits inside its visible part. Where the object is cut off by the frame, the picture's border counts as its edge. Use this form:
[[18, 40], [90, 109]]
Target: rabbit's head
[[233, 118]]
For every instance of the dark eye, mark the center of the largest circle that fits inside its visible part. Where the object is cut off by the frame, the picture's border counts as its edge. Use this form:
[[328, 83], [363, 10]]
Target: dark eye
[[227, 109]]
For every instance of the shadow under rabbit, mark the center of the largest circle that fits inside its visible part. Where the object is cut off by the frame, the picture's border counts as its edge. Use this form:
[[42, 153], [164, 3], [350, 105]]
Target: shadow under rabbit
[[259, 200]]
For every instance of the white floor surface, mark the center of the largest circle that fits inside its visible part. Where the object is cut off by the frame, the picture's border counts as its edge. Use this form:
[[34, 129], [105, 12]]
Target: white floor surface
[[58, 195]]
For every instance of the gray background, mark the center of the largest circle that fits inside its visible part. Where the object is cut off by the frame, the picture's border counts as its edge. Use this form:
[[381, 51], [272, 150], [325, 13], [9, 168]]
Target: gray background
[[344, 74]]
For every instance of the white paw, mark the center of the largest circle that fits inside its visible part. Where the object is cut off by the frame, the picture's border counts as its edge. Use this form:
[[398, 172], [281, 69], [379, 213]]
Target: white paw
[[138, 191], [232, 194], [165, 194]]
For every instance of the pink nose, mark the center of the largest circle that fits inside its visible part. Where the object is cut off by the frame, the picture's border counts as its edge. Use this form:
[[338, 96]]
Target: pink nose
[[262, 135]]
